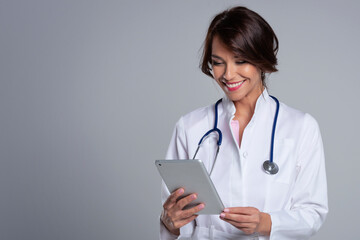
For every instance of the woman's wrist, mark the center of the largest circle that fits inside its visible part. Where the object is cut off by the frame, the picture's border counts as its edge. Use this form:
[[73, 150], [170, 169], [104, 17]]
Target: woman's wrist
[[265, 224], [172, 231]]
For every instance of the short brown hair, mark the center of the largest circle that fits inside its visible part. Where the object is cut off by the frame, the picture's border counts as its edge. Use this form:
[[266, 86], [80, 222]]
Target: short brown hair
[[247, 35]]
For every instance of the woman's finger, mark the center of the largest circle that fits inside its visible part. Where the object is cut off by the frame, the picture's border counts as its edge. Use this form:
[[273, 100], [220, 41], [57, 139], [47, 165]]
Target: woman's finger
[[237, 217], [247, 228], [242, 210], [182, 222], [190, 212], [240, 224], [186, 200], [171, 200]]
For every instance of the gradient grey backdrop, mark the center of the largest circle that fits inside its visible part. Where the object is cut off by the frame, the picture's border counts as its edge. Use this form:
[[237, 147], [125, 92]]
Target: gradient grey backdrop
[[90, 92]]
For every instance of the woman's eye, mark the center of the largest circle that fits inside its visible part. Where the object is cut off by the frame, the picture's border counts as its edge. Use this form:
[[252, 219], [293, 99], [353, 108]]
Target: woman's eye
[[215, 63], [240, 62]]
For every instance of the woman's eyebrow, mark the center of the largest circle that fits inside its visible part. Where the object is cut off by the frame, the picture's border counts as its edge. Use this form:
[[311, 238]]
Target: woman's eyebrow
[[214, 56], [217, 57]]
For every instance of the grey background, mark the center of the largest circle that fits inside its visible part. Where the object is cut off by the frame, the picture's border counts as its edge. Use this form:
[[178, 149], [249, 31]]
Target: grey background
[[90, 92]]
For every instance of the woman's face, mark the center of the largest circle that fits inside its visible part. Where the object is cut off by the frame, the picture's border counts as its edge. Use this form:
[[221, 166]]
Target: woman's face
[[240, 80]]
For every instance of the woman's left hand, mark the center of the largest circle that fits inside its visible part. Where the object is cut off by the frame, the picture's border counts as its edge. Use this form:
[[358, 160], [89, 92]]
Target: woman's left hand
[[248, 219]]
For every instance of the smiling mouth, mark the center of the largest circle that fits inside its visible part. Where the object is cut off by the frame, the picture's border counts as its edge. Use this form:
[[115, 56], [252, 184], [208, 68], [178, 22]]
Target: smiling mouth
[[233, 86]]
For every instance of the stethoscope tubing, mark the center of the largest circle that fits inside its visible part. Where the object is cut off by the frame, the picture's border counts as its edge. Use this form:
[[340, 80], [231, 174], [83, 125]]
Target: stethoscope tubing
[[215, 128], [269, 166], [274, 128]]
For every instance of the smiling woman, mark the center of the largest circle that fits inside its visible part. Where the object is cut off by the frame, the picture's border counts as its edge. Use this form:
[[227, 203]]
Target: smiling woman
[[239, 79], [288, 203], [245, 34]]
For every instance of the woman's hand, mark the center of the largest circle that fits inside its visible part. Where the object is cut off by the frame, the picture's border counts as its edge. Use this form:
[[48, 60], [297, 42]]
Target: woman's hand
[[173, 216], [248, 219]]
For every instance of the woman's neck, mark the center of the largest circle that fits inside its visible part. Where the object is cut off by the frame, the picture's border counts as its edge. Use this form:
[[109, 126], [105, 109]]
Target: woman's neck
[[245, 108]]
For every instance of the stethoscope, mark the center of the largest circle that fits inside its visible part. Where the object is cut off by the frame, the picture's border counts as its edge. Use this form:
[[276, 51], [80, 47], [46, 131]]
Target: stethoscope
[[269, 166]]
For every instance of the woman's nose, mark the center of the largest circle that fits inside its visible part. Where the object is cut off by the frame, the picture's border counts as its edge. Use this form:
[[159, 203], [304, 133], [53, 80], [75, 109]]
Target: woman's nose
[[230, 72]]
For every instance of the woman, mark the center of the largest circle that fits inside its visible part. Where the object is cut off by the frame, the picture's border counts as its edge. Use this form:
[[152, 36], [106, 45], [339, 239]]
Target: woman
[[240, 49]]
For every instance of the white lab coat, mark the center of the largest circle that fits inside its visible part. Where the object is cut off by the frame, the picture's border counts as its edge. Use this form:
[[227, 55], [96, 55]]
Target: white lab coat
[[296, 197]]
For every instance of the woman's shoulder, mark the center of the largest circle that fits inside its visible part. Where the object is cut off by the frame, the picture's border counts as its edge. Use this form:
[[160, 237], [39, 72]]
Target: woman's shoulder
[[196, 116], [296, 117]]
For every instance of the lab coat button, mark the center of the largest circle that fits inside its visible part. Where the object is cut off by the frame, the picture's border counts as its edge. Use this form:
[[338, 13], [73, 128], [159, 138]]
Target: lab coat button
[[245, 154]]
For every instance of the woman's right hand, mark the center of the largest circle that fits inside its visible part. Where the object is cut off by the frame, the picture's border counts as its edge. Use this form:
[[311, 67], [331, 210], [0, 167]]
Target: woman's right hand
[[173, 216]]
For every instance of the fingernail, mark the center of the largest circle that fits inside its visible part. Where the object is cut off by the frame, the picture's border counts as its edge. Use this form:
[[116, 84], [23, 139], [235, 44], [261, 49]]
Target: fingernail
[[222, 215], [226, 210], [181, 191], [201, 206], [193, 196]]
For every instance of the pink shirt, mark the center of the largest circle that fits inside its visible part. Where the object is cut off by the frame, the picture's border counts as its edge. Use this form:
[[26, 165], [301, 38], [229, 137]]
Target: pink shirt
[[235, 129]]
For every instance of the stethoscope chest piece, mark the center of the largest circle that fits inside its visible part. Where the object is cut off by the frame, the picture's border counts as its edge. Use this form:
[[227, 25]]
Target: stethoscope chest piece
[[270, 167]]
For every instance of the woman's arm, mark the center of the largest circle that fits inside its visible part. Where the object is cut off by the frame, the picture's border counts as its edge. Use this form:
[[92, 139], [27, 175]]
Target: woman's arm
[[309, 205], [177, 150]]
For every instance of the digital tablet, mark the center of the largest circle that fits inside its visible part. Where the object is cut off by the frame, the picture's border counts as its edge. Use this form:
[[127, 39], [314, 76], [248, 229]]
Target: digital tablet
[[191, 175]]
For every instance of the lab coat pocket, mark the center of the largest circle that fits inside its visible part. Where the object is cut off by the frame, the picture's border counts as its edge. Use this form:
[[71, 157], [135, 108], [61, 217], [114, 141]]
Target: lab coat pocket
[[278, 185]]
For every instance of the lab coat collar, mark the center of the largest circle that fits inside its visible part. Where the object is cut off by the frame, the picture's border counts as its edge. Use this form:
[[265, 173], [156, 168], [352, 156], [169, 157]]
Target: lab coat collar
[[229, 106]]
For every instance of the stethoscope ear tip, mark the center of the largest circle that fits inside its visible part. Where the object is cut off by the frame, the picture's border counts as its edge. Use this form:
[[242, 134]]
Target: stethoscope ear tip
[[270, 167]]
